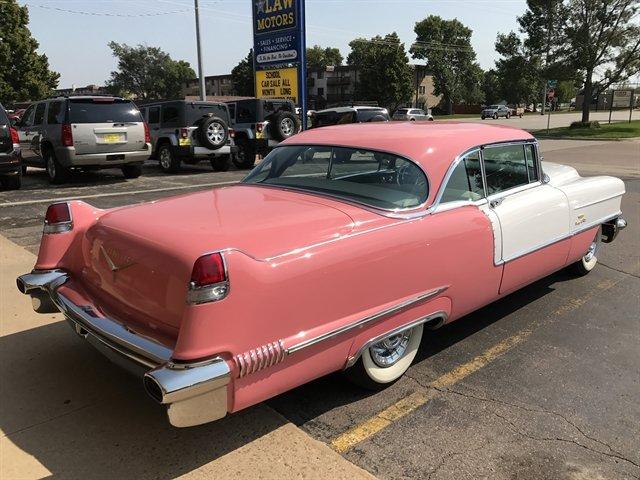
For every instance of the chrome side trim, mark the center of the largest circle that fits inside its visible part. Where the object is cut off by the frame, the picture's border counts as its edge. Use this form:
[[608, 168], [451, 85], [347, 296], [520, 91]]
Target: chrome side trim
[[441, 315], [253, 361], [371, 318], [610, 197]]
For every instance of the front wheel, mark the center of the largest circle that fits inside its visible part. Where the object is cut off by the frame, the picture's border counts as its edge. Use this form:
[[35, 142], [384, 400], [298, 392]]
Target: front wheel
[[508, 116], [495, 116], [589, 261], [220, 163], [386, 361]]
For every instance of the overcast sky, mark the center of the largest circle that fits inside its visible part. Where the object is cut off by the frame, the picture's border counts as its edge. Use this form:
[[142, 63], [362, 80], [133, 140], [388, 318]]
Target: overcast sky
[[76, 44]]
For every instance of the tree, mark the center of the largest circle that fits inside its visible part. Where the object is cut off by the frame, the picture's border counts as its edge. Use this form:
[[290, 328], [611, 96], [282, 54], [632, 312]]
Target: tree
[[446, 47], [491, 87], [383, 69], [517, 71], [243, 78], [24, 73], [147, 73], [602, 34], [320, 58]]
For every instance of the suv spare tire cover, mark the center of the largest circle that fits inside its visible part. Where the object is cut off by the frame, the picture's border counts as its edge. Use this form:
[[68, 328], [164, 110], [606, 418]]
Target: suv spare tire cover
[[213, 133], [286, 125]]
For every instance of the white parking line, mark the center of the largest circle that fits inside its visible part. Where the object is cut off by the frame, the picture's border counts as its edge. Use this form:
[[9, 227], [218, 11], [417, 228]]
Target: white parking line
[[114, 194]]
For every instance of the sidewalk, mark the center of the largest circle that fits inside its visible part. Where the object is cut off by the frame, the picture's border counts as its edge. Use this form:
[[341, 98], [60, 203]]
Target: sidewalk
[[66, 412]]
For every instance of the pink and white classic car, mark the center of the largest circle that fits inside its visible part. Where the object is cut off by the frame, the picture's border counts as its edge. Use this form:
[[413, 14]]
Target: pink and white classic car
[[335, 253]]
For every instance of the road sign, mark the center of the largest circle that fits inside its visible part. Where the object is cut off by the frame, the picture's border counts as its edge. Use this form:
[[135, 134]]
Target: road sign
[[277, 83], [552, 83]]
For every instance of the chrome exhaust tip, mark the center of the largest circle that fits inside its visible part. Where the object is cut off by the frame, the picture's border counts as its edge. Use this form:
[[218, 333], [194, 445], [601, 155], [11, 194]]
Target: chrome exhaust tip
[[41, 280]]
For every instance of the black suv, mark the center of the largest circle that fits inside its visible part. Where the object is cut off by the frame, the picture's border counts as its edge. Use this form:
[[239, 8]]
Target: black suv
[[186, 131], [259, 126], [10, 159]]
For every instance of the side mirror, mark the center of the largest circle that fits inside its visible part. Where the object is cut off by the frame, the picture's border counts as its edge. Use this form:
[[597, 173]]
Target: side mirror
[[545, 178]]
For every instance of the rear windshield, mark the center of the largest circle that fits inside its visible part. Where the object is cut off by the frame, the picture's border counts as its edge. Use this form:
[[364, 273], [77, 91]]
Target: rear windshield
[[377, 179], [92, 110], [325, 119], [195, 112]]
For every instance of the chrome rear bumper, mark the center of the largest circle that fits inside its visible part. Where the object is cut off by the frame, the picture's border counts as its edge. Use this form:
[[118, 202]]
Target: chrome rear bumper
[[194, 393], [611, 229]]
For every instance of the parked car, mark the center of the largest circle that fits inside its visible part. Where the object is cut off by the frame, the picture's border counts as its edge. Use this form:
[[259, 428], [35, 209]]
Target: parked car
[[261, 125], [335, 253], [189, 132], [10, 159], [14, 116], [347, 115], [495, 111], [64, 134], [412, 115]]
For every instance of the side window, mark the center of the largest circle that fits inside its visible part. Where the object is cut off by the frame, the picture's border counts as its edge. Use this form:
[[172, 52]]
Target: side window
[[154, 115], [170, 116], [54, 114], [27, 117], [465, 183], [232, 110], [505, 167], [38, 118]]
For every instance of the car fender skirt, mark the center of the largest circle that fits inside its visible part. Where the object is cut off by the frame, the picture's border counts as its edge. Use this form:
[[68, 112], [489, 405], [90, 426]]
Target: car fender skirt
[[195, 393]]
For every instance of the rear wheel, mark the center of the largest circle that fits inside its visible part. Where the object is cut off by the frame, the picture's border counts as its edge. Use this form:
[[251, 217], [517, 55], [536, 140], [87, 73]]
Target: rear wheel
[[386, 361], [220, 163], [56, 172], [168, 161], [132, 171], [495, 116], [245, 157]]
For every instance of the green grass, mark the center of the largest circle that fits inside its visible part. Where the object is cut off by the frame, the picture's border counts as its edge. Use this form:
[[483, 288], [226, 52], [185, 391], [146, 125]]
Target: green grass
[[456, 115], [614, 131]]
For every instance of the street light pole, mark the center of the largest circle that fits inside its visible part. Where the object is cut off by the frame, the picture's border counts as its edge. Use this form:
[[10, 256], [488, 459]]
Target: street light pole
[[203, 93]]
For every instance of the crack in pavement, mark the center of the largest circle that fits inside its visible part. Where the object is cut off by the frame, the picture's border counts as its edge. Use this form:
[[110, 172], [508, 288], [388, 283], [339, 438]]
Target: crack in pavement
[[618, 270], [514, 428], [611, 453]]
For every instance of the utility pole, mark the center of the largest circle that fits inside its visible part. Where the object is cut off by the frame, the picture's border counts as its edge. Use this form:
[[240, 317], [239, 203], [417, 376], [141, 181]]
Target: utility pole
[[203, 92]]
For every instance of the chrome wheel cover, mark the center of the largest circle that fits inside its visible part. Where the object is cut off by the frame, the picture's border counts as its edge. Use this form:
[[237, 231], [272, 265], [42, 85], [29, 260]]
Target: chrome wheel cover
[[387, 352], [165, 158], [287, 127], [215, 132], [591, 253]]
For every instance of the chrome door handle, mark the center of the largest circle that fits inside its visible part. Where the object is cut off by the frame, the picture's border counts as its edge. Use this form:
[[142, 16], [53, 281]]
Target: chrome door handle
[[496, 202]]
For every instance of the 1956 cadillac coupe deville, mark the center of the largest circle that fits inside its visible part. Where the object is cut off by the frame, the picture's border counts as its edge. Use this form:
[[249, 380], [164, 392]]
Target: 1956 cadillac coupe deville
[[335, 253]]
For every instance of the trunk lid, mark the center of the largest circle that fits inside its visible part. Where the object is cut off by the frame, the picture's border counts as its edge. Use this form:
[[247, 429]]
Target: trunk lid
[[139, 259]]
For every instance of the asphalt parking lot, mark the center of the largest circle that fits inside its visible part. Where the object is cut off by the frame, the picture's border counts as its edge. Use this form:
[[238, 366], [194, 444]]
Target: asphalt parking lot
[[543, 384]]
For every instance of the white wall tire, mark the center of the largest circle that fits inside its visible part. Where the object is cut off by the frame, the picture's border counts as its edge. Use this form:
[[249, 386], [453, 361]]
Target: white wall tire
[[589, 261], [368, 373]]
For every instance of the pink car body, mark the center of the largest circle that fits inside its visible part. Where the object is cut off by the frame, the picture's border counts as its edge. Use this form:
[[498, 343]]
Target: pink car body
[[311, 279]]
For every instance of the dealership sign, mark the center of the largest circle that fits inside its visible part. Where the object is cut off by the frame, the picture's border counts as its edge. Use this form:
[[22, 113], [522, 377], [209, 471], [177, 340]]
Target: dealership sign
[[276, 32]]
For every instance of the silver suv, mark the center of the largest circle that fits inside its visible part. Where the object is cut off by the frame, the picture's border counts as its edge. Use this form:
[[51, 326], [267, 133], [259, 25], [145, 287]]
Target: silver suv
[[83, 133], [186, 131], [412, 115]]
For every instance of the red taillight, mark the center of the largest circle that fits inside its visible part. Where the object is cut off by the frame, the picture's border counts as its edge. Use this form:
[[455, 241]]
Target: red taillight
[[147, 133], [15, 139], [67, 136], [58, 218], [232, 133], [207, 270], [184, 133], [209, 281], [259, 127]]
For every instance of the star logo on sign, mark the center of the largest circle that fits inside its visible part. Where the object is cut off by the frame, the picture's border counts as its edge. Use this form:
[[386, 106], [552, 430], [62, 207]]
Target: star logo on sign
[[260, 4]]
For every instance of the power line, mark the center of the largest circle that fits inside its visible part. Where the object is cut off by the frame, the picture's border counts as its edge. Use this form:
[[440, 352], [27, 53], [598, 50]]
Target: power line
[[100, 14]]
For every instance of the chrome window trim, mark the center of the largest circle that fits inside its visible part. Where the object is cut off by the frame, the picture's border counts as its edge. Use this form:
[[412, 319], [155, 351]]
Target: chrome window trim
[[442, 315], [518, 188], [409, 212], [400, 307]]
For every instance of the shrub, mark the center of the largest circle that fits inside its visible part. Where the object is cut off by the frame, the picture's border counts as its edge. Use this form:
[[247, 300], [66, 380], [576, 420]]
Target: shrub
[[592, 124]]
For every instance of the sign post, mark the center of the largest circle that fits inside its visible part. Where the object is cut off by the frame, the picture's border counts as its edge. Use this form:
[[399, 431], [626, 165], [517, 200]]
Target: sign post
[[279, 51]]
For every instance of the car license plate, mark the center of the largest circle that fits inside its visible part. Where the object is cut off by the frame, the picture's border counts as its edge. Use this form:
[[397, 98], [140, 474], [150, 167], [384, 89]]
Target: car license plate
[[184, 142], [112, 138]]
